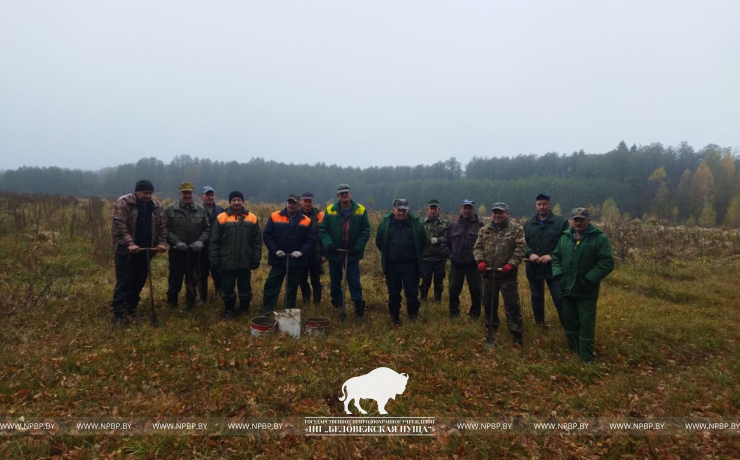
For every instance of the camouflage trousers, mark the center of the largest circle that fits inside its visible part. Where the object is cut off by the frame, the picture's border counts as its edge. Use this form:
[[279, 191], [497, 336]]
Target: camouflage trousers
[[509, 289]]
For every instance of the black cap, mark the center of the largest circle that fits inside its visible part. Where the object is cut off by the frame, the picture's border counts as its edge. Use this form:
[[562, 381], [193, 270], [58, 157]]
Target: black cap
[[543, 196], [401, 203], [144, 186], [307, 195], [235, 194]]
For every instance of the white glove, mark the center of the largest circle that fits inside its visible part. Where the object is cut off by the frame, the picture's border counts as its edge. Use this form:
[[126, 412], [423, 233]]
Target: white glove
[[433, 240], [181, 246], [296, 254], [280, 254]]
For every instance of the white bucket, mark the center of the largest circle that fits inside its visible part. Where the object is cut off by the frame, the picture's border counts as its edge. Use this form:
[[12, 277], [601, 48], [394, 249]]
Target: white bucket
[[289, 321]]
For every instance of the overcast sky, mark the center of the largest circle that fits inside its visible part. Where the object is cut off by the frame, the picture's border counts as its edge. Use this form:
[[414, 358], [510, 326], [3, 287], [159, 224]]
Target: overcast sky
[[87, 84]]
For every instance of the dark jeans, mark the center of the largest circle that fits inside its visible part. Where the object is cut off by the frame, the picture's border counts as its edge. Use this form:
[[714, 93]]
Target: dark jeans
[[509, 288], [240, 278], [579, 315], [205, 268], [404, 276], [353, 280], [537, 289], [434, 270], [274, 283], [131, 276], [183, 264], [314, 270], [458, 274]]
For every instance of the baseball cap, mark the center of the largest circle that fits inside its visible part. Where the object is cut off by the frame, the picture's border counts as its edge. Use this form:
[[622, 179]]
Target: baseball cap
[[293, 197], [207, 189], [186, 187], [543, 196], [401, 203], [433, 203], [500, 205], [467, 202], [307, 195], [579, 213], [341, 188]]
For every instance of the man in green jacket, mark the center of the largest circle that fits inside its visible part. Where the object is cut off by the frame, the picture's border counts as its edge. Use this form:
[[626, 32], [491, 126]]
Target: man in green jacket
[[187, 233], [582, 258], [542, 233], [402, 239], [434, 257], [235, 249], [345, 227]]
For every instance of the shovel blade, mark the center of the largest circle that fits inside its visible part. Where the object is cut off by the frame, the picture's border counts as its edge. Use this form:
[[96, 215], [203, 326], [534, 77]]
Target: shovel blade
[[490, 342]]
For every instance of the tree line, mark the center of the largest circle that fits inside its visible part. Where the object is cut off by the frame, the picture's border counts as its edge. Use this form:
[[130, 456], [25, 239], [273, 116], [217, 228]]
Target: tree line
[[676, 184]]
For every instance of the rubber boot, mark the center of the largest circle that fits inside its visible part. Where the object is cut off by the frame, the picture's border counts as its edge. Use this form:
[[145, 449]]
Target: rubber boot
[[243, 308], [359, 311], [229, 306]]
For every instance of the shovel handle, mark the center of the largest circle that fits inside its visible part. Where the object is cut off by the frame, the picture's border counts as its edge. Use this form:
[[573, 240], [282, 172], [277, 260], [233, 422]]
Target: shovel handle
[[489, 269]]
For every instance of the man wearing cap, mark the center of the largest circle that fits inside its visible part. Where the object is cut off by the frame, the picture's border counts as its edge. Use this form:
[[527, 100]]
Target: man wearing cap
[[499, 250], [208, 199], [542, 233], [287, 234], [435, 261], [235, 249], [138, 222], [458, 245], [313, 264], [344, 232], [582, 258], [187, 234], [402, 239]]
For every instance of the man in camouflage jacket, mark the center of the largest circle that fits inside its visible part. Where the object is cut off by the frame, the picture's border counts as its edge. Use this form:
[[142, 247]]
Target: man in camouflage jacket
[[435, 261], [499, 251], [138, 222]]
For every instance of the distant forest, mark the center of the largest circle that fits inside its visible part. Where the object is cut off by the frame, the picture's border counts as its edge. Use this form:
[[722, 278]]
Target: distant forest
[[675, 184]]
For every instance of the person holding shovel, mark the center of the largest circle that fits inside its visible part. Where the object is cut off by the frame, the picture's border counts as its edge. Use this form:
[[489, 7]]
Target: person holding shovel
[[289, 237], [187, 233], [501, 245], [235, 249], [344, 233], [139, 223]]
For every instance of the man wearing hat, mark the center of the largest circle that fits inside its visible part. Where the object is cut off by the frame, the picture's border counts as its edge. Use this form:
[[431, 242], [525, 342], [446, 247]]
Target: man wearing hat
[[344, 232], [187, 234], [138, 222], [542, 233], [458, 245], [435, 261], [499, 250], [235, 249], [313, 263], [208, 199], [402, 239], [582, 258], [287, 234]]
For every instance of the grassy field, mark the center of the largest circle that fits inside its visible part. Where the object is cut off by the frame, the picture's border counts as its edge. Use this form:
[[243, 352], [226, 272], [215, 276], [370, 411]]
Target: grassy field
[[666, 344]]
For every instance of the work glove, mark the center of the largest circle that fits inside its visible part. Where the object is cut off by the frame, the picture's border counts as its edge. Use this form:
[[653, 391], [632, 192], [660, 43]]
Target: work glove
[[296, 254], [255, 265], [507, 268], [197, 246], [331, 248], [482, 266], [433, 240], [354, 252], [181, 246], [280, 254]]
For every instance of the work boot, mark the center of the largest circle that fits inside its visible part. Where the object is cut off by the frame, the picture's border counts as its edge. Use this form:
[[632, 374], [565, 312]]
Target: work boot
[[359, 320], [396, 321], [518, 340], [317, 297], [359, 308], [243, 308], [423, 296], [118, 322], [437, 296], [229, 307]]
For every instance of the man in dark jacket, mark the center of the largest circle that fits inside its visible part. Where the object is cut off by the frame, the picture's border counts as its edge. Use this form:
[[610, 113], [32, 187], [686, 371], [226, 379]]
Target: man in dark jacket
[[235, 249], [314, 262], [208, 199], [287, 234], [345, 227], [582, 258], [138, 222], [542, 233], [187, 234], [458, 247], [435, 261], [402, 239]]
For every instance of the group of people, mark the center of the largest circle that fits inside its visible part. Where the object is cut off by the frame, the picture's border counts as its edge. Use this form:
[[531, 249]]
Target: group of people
[[227, 243]]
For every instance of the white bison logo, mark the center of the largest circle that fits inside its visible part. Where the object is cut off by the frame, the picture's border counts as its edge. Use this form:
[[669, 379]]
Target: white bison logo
[[381, 385]]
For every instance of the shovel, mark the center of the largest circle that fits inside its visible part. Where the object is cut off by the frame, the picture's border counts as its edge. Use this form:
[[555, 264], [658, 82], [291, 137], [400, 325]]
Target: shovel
[[154, 319], [490, 342], [287, 272], [343, 314]]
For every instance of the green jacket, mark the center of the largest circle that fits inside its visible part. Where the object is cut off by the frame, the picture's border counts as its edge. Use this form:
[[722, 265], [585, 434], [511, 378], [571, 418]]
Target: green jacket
[[542, 240], [581, 268], [236, 241], [185, 225], [421, 239], [330, 231], [436, 228]]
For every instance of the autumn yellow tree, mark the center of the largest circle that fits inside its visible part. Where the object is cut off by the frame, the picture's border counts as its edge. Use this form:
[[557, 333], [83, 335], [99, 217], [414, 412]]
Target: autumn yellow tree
[[702, 189]]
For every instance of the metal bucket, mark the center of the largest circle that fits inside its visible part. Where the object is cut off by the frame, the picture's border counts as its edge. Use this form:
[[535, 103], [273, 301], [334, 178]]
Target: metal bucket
[[262, 325], [289, 321], [317, 326]]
